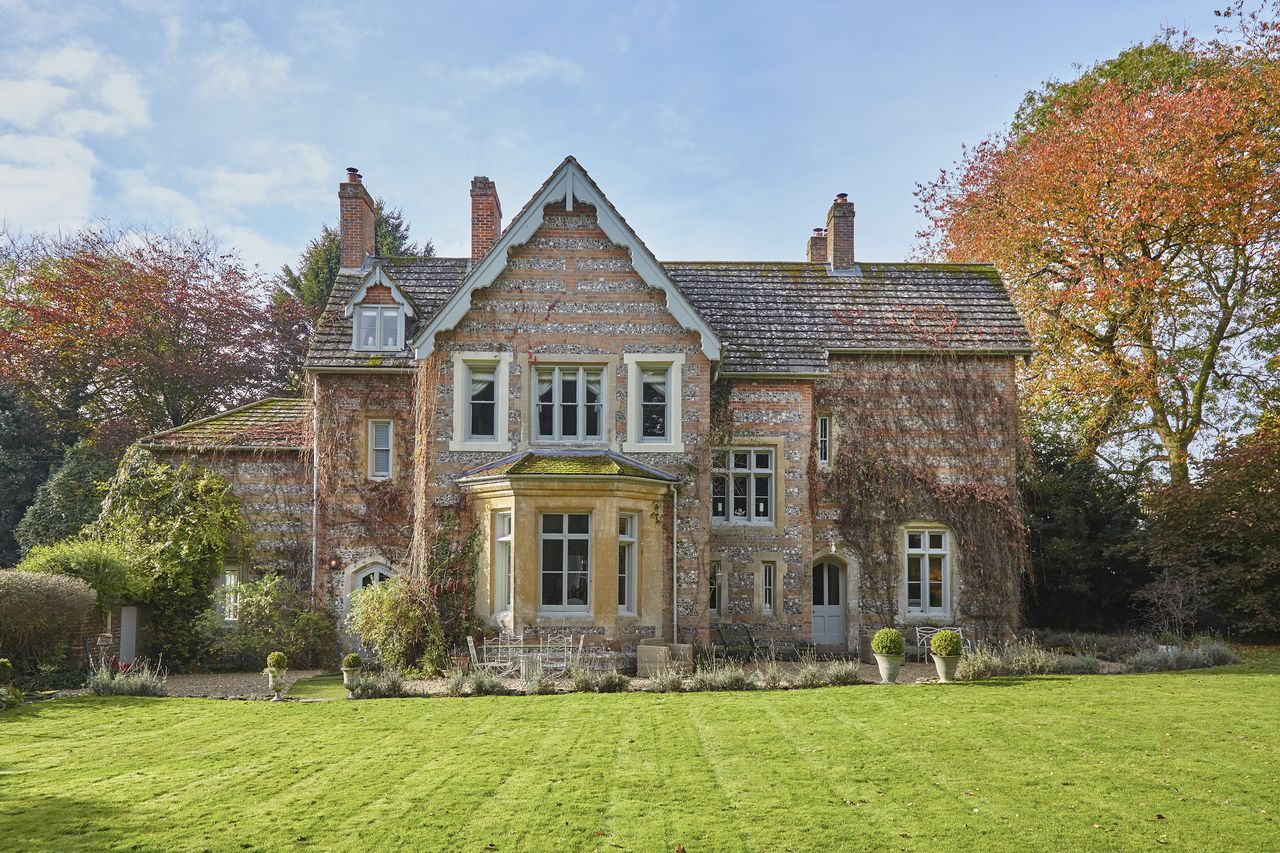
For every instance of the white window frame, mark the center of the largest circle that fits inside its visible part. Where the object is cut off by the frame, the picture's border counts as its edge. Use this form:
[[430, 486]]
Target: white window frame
[[824, 441], [725, 475], [383, 315], [356, 576], [636, 365], [374, 473], [768, 586], [461, 439], [715, 589], [925, 552], [230, 583], [557, 373], [503, 562], [628, 546], [565, 537]]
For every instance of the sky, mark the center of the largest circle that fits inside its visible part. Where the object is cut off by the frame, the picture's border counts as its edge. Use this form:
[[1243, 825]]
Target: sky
[[719, 130]]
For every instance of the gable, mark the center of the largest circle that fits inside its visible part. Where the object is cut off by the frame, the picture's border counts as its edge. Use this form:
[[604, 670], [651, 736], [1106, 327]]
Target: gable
[[378, 289], [568, 185]]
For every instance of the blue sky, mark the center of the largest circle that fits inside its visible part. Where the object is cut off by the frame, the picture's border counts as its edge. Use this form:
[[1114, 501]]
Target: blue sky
[[720, 130]]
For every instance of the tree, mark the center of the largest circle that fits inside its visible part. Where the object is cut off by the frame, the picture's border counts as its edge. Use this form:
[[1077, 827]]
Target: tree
[[319, 263], [1221, 535], [28, 449], [1081, 523], [145, 329], [1135, 215], [71, 498]]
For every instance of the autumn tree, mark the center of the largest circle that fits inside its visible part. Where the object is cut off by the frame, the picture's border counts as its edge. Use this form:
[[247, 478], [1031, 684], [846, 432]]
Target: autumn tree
[[319, 263], [148, 330], [1135, 215]]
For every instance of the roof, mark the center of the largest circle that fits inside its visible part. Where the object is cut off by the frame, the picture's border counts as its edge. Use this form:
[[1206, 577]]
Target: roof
[[785, 317], [275, 423], [426, 282], [568, 463]]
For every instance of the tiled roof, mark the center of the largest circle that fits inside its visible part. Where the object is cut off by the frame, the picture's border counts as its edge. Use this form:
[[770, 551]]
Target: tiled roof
[[569, 463], [275, 423], [784, 317], [426, 282]]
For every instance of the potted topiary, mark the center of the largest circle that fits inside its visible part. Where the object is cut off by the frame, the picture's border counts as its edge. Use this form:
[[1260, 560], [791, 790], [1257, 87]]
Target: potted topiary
[[890, 650], [277, 666], [946, 649], [351, 666]]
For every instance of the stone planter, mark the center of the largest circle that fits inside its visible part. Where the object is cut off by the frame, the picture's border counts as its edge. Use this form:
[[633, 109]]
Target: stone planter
[[889, 666], [351, 680], [946, 667], [275, 682]]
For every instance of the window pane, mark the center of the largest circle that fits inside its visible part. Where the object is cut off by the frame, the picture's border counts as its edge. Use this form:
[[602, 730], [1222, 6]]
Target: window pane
[[833, 585], [482, 420], [819, 587], [718, 502], [579, 524], [482, 385], [624, 560], [591, 398], [935, 581], [382, 436], [546, 407], [719, 460], [552, 523], [914, 541], [740, 461], [577, 593], [914, 584], [368, 328], [624, 526], [569, 404], [654, 420], [552, 572], [382, 462], [593, 421], [762, 495], [935, 541], [740, 502], [764, 461], [390, 328]]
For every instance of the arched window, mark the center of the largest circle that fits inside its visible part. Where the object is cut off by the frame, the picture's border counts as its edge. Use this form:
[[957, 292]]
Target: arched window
[[370, 576]]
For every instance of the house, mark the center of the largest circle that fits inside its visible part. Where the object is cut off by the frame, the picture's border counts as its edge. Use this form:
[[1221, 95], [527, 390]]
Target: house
[[647, 448]]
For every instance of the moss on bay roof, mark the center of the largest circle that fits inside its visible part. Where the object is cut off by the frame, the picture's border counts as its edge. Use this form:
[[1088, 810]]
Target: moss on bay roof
[[275, 423], [569, 463]]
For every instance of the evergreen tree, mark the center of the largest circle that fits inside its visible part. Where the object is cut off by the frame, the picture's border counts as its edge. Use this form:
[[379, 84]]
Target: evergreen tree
[[71, 498], [29, 447]]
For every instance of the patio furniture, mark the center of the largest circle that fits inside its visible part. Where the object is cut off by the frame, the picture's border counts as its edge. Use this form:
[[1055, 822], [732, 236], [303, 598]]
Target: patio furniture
[[651, 660], [924, 634], [773, 647], [557, 655], [735, 640]]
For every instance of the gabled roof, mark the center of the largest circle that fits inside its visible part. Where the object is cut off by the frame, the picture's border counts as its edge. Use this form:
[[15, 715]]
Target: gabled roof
[[377, 275], [427, 282], [552, 462], [786, 317], [275, 423], [568, 183]]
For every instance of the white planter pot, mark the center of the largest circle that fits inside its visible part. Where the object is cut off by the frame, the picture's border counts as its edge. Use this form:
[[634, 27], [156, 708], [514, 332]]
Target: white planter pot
[[351, 680], [946, 667], [275, 683], [889, 666]]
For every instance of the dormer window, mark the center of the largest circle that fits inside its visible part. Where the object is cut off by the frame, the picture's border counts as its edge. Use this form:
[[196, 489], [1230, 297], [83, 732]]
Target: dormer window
[[380, 328]]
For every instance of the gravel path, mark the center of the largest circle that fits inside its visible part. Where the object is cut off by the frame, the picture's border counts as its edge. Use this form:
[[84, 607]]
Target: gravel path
[[230, 685]]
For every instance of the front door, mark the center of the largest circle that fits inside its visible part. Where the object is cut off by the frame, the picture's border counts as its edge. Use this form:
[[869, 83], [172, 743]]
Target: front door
[[828, 604], [128, 635]]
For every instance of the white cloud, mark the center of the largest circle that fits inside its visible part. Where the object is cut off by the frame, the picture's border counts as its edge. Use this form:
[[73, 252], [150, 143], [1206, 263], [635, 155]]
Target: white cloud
[[73, 63], [157, 203], [240, 65], [254, 249], [296, 171], [94, 93], [526, 68], [45, 182], [26, 104]]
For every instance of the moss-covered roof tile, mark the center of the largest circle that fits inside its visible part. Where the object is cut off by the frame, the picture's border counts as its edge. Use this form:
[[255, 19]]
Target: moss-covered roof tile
[[274, 423]]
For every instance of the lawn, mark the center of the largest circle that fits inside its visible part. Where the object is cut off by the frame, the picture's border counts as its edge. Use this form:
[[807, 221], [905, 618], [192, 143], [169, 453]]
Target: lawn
[[1188, 760]]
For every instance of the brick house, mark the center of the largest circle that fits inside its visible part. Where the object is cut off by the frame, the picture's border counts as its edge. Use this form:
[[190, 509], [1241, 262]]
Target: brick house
[[642, 444]]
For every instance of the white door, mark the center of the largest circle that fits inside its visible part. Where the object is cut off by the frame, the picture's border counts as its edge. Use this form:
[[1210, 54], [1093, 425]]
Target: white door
[[128, 634], [828, 604]]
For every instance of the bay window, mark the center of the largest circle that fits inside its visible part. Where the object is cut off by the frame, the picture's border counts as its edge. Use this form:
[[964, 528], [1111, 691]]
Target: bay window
[[502, 575], [569, 404], [566, 561], [742, 485], [927, 571]]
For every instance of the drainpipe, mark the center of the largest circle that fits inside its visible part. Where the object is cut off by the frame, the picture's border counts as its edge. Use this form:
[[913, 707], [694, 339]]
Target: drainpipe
[[675, 575], [315, 486]]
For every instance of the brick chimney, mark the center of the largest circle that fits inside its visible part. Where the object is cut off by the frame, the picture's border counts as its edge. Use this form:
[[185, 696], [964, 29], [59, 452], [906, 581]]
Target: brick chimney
[[840, 233], [486, 217], [816, 250], [355, 220]]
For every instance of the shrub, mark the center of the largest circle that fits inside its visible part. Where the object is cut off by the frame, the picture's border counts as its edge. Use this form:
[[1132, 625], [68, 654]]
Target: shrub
[[842, 673], [271, 613], [540, 685], [666, 681], [1023, 658], [1208, 653], [391, 619], [141, 679], [485, 683], [1112, 647], [1216, 652], [10, 696], [102, 565], [584, 680], [612, 682], [810, 674], [385, 685], [1076, 665], [37, 615], [946, 644], [768, 676], [352, 661], [278, 661], [455, 682], [888, 641], [6, 671], [726, 675]]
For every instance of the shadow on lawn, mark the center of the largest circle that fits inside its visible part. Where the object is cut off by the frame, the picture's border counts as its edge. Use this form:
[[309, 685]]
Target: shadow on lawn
[[1014, 680], [56, 822]]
